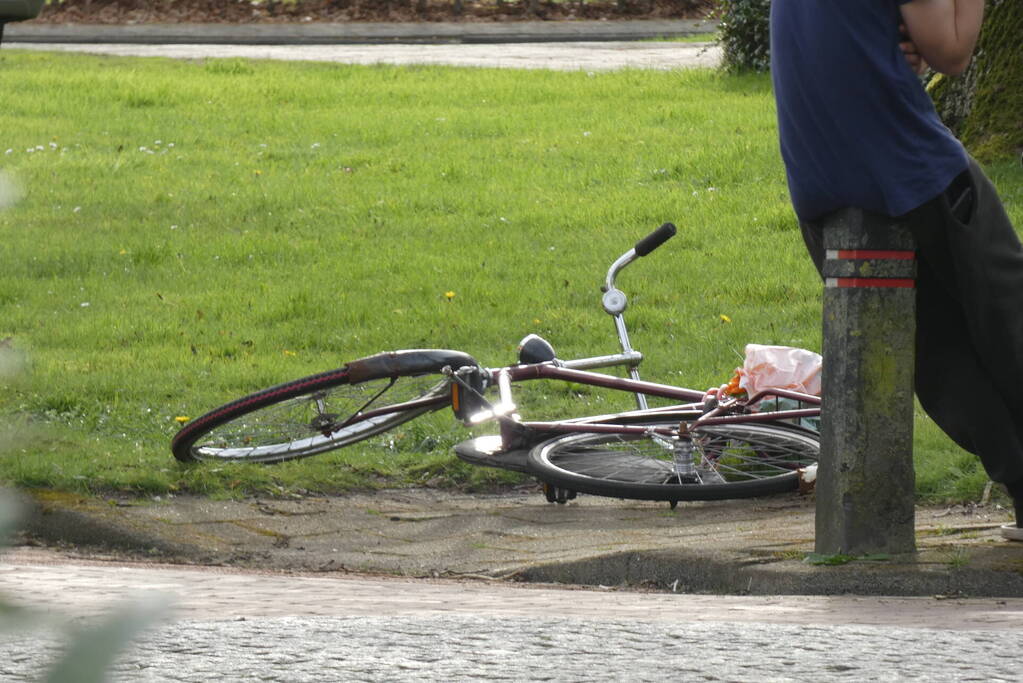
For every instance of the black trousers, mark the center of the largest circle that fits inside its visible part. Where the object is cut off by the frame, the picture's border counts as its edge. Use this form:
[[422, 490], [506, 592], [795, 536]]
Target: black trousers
[[969, 309]]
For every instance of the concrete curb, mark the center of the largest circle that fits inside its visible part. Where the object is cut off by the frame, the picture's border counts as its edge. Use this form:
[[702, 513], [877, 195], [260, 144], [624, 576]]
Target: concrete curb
[[736, 547], [916, 575], [355, 33]]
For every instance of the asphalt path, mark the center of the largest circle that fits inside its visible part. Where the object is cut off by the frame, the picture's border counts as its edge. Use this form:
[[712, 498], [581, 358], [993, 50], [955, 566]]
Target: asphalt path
[[562, 56]]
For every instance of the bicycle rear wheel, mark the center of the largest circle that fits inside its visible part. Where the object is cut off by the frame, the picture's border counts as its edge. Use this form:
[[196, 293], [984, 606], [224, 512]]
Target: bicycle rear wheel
[[322, 412], [727, 461]]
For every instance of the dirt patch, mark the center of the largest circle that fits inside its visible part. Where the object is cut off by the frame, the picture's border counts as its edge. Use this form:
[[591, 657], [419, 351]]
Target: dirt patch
[[247, 11]]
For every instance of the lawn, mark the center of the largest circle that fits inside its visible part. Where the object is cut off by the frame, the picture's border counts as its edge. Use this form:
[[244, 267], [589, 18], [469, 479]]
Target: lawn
[[179, 233]]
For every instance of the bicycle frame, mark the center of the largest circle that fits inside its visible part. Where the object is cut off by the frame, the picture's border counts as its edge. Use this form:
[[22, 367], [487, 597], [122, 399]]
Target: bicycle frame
[[710, 410], [340, 407]]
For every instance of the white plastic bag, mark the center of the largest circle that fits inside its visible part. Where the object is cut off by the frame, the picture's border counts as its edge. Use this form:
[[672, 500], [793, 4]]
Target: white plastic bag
[[780, 367]]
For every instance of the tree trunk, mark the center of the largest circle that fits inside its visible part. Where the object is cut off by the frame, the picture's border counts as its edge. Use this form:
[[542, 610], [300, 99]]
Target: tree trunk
[[984, 106]]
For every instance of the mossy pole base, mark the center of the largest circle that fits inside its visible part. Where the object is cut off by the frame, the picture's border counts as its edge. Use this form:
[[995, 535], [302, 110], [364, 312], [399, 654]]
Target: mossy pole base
[[865, 482]]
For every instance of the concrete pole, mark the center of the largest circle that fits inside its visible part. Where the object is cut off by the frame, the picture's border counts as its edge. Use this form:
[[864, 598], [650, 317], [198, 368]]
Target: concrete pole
[[865, 481]]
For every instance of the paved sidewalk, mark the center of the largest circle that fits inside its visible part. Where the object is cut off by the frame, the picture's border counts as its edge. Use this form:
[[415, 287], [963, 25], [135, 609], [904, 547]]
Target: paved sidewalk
[[556, 56], [562, 45], [748, 546], [317, 33]]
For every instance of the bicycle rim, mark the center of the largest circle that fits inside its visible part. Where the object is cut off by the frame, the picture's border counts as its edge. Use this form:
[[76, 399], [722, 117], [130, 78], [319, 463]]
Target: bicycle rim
[[308, 417], [727, 461]]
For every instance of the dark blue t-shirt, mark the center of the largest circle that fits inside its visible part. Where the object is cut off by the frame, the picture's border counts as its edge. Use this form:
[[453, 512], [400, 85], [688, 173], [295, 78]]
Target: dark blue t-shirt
[[856, 126]]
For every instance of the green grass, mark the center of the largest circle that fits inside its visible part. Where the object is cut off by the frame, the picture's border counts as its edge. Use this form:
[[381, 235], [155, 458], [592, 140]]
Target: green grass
[[191, 231]]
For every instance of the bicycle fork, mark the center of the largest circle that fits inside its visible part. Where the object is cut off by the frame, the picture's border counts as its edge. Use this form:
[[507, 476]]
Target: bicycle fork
[[472, 407]]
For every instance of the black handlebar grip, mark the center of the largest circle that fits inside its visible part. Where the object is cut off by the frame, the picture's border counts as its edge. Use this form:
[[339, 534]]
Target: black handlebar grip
[[655, 239]]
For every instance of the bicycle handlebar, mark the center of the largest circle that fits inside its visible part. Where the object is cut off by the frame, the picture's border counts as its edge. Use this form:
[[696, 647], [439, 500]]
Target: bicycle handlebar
[[655, 239], [642, 248]]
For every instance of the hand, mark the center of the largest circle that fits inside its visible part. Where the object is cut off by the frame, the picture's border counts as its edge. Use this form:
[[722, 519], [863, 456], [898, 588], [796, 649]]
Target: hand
[[909, 51]]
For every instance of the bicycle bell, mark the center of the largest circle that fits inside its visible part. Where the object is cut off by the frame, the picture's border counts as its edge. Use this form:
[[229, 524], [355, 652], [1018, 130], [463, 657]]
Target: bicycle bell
[[614, 301]]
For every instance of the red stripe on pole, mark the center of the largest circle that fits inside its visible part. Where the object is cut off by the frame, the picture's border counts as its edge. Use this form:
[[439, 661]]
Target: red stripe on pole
[[876, 254], [864, 282]]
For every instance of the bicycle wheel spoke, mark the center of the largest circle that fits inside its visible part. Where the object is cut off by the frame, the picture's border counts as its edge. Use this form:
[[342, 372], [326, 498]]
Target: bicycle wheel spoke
[[725, 461], [312, 423], [753, 456], [618, 461], [323, 412]]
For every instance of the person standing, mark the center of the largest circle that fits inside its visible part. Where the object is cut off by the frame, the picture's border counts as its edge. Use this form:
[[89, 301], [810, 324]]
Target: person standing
[[857, 129]]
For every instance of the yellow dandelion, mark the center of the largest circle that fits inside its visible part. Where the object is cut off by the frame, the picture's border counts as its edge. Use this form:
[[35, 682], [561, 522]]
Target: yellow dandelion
[[449, 295], [536, 321], [181, 419], [288, 353], [725, 318], [123, 252]]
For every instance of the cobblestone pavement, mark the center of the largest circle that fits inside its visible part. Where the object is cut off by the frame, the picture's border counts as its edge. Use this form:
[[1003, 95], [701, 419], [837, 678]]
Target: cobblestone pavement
[[454, 648], [285, 627], [589, 56]]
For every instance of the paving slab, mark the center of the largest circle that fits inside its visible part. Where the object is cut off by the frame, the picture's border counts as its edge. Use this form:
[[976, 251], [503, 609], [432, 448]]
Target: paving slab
[[757, 546]]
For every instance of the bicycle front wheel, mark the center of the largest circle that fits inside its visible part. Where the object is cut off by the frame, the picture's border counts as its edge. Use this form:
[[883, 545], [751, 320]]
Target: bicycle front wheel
[[322, 412], [725, 461]]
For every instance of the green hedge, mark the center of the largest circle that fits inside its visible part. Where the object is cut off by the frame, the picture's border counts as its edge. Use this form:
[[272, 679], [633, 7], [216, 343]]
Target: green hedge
[[745, 35]]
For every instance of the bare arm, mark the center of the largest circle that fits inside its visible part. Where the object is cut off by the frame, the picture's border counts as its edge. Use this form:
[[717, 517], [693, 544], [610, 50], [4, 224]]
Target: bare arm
[[944, 31]]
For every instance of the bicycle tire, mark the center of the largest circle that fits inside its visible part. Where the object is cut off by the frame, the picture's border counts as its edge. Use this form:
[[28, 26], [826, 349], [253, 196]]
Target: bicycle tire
[[731, 461], [322, 412]]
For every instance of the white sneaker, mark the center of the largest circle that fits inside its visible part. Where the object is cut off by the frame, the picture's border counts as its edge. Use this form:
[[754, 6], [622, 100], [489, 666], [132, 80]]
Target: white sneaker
[[1012, 532]]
